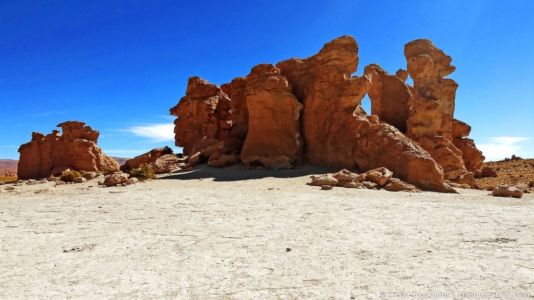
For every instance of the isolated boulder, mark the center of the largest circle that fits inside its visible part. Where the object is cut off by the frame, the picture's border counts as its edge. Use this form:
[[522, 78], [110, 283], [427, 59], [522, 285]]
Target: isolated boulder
[[507, 191], [54, 153]]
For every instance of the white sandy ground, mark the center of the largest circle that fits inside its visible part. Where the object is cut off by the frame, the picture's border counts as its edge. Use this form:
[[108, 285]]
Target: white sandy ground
[[221, 238]]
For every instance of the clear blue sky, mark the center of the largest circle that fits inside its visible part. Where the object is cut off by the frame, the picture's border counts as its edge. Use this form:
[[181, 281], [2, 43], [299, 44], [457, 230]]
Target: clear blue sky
[[120, 65]]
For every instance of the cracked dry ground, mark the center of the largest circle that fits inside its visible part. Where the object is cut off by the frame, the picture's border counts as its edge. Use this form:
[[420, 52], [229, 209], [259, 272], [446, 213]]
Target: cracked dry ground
[[258, 238]]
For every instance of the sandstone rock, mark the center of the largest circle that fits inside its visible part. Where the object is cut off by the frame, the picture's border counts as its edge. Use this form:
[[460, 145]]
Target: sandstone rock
[[89, 175], [116, 179], [203, 114], [369, 185], [353, 185], [273, 139], [345, 176], [507, 191], [326, 187], [396, 185], [325, 179], [390, 96], [166, 164], [146, 158], [79, 180], [236, 90], [380, 176], [76, 149]]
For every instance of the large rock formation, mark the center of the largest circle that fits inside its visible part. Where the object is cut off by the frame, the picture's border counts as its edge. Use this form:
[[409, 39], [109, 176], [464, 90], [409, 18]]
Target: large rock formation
[[264, 117], [75, 149]]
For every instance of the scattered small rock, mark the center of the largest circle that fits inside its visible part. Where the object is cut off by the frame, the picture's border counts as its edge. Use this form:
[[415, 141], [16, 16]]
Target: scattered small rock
[[288, 249], [79, 180], [326, 187], [353, 185], [507, 191], [397, 185], [116, 179], [380, 176], [89, 175], [325, 179], [9, 188], [369, 185]]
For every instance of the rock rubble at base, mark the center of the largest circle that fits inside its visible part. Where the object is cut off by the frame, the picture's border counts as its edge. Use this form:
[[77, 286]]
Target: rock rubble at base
[[380, 178]]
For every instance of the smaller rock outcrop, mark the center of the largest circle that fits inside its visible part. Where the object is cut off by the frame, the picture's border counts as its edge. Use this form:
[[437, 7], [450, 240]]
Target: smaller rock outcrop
[[507, 191], [162, 160], [372, 180], [54, 153], [116, 179]]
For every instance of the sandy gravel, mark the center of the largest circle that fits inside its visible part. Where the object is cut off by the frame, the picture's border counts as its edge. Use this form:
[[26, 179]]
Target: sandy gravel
[[230, 234]]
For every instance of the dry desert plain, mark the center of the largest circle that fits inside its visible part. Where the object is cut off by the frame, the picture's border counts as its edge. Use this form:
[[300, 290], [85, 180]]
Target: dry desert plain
[[234, 234]]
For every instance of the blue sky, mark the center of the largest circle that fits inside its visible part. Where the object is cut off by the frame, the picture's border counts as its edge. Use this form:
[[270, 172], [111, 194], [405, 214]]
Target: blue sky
[[120, 65]]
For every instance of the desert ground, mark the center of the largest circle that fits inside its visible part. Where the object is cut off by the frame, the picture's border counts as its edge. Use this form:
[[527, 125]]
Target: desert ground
[[234, 234]]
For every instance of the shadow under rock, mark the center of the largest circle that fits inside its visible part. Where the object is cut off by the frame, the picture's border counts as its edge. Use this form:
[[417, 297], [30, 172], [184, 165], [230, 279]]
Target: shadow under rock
[[239, 172]]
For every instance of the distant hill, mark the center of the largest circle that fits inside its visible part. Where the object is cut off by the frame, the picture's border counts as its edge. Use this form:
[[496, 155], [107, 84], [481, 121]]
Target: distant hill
[[8, 167]]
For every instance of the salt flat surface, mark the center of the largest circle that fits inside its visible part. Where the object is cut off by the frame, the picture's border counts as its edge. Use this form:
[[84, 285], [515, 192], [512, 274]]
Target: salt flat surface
[[215, 235]]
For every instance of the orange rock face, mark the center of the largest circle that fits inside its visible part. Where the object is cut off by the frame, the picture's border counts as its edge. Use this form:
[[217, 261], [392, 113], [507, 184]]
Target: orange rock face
[[273, 111], [430, 122], [390, 96], [309, 110], [203, 116], [75, 149]]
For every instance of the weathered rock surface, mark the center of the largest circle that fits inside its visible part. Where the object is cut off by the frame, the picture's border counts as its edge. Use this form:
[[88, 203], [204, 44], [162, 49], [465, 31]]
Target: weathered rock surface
[[146, 158], [473, 158], [116, 179], [162, 161], [54, 153], [203, 116], [273, 139], [430, 122], [507, 191], [390, 96], [322, 180]]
